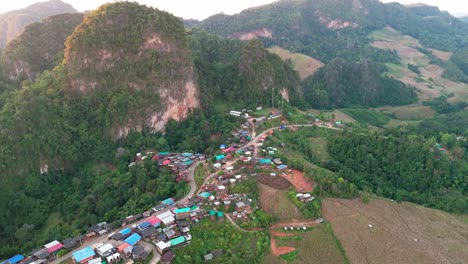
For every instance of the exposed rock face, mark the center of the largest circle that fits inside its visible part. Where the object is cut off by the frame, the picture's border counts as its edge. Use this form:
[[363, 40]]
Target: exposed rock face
[[39, 47], [12, 23], [262, 32], [140, 50]]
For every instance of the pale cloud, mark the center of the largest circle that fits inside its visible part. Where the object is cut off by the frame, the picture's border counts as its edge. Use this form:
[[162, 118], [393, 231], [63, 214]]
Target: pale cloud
[[201, 9]]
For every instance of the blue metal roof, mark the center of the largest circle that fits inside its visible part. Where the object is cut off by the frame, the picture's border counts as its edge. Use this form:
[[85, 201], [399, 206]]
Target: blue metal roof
[[168, 201], [186, 154], [181, 210], [219, 157], [144, 225], [125, 231], [83, 254], [15, 259], [204, 194], [133, 239]]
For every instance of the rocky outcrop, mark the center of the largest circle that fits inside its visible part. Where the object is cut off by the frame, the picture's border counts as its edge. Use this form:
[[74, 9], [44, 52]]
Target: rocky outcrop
[[261, 32], [141, 50]]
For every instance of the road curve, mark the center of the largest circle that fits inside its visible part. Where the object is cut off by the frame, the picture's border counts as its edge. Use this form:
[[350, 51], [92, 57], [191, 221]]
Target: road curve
[[156, 256]]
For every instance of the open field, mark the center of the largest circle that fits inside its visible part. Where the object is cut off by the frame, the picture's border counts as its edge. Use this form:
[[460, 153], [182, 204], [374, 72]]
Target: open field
[[443, 55], [341, 116], [409, 112], [400, 233], [430, 83], [278, 204], [304, 65], [320, 148], [313, 246], [368, 116]]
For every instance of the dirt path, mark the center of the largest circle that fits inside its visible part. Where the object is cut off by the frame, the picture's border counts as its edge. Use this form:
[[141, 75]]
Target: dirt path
[[240, 228], [278, 251]]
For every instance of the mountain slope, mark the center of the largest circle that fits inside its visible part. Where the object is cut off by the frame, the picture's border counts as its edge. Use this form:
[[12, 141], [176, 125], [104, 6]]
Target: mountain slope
[[138, 51], [13, 22], [326, 30], [39, 47], [241, 74]]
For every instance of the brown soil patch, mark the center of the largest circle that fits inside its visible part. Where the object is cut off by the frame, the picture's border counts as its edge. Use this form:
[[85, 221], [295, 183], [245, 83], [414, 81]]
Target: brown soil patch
[[277, 182], [280, 234], [277, 203], [443, 55], [400, 233], [278, 251], [304, 65], [297, 179]]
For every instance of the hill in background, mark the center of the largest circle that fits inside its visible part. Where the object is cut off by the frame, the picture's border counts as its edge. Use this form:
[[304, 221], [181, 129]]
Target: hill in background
[[13, 22]]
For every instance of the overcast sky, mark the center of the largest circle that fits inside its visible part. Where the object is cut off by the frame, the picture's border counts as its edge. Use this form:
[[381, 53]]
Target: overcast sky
[[201, 9]]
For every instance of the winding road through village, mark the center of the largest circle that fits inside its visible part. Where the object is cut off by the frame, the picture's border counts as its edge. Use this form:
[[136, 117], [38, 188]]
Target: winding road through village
[[193, 188]]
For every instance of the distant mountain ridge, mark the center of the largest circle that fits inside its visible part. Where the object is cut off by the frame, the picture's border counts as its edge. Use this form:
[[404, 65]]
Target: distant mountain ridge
[[329, 29], [13, 22], [39, 47]]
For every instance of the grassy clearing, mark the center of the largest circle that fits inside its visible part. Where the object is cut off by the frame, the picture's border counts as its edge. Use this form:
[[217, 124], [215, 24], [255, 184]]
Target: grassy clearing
[[319, 149], [290, 257], [410, 113], [212, 235], [199, 175], [264, 112], [315, 246], [303, 64], [367, 116], [278, 204], [395, 70]]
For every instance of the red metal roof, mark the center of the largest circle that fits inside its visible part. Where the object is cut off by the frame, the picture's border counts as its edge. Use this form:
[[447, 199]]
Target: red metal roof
[[53, 246], [122, 247], [153, 220], [166, 162]]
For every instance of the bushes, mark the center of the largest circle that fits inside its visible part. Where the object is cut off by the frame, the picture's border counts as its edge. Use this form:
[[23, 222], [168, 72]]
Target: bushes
[[309, 210]]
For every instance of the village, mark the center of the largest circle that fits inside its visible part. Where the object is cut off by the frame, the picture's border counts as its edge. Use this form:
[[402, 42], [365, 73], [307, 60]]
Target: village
[[151, 236]]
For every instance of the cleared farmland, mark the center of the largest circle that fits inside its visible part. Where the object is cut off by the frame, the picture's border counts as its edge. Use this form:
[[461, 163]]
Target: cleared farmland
[[387, 232]]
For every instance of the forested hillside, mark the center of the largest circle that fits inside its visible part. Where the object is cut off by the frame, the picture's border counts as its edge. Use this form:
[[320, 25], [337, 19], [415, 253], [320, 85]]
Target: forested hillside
[[405, 166], [38, 48], [344, 84], [13, 22], [241, 74], [327, 30], [128, 72]]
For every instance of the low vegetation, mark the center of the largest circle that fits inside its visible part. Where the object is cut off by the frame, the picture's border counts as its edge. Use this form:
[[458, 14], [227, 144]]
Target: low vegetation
[[238, 247], [367, 116]]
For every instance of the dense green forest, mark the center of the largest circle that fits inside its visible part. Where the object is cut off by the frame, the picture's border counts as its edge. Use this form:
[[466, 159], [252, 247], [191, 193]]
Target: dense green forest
[[404, 166], [343, 84], [238, 73], [327, 30], [456, 123]]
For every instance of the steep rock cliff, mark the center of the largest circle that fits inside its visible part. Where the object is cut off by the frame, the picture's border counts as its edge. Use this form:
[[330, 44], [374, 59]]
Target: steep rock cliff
[[141, 51]]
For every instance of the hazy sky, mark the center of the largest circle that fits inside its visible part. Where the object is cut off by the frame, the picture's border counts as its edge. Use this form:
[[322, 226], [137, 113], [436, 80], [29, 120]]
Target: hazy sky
[[203, 8]]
